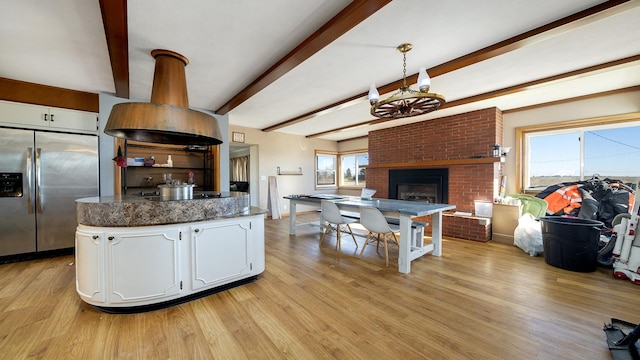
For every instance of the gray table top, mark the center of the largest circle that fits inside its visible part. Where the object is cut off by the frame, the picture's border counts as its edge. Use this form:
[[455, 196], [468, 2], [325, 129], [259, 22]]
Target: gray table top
[[414, 208]]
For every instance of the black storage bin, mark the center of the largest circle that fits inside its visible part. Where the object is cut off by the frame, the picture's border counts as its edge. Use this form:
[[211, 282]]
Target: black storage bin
[[571, 243]]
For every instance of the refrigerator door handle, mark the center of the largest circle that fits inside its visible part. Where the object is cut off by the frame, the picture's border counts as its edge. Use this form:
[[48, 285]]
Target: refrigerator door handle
[[38, 177], [29, 181]]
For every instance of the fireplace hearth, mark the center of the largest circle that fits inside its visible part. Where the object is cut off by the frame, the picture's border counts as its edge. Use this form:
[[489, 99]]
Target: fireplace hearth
[[430, 185]]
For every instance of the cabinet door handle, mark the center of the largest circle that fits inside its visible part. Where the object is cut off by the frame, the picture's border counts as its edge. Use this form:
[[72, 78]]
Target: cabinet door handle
[[51, 117], [46, 117], [110, 237], [95, 237], [196, 230]]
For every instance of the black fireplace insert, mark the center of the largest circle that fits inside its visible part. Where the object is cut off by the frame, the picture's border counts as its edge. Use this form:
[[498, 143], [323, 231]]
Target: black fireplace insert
[[429, 185]]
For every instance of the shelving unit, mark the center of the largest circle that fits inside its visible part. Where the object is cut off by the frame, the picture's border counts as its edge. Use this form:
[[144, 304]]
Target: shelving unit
[[289, 172], [196, 159]]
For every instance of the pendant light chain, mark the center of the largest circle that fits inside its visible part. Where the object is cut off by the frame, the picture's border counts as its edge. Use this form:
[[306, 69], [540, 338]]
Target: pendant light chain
[[404, 69]]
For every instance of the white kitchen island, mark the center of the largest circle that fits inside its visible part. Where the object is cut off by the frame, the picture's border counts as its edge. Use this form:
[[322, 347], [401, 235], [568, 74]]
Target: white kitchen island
[[184, 250]]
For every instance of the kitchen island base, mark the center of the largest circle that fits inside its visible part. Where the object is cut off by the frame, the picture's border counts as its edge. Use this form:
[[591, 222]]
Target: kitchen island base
[[178, 301], [139, 268]]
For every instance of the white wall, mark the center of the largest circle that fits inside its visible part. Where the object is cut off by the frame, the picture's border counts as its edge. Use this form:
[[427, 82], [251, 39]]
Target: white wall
[[584, 109], [108, 150]]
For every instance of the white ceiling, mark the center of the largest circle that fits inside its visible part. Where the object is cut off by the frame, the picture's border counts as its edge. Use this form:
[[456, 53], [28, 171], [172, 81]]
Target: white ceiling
[[230, 43]]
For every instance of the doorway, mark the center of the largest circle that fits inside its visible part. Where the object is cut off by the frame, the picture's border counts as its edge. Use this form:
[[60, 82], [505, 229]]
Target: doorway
[[243, 170]]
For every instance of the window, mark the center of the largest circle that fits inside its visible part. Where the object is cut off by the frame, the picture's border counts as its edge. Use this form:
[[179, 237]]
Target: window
[[552, 156], [349, 172], [352, 169], [326, 169]]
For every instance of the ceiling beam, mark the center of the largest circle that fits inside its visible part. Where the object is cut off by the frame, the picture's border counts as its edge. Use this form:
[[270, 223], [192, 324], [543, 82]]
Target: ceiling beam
[[368, 122], [542, 82], [114, 19], [355, 138], [31, 93], [573, 99], [356, 12], [628, 61], [527, 38]]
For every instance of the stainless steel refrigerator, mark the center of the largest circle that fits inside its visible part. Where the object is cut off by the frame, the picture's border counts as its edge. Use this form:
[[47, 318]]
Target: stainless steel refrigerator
[[41, 176]]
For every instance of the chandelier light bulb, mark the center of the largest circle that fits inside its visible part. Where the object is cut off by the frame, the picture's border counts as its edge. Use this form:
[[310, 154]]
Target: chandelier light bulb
[[373, 94], [424, 81]]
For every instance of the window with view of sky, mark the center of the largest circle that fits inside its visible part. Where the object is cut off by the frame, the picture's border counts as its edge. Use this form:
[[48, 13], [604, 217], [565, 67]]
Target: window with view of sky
[[612, 152]]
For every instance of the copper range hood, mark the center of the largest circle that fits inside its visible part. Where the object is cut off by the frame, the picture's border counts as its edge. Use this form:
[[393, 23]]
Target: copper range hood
[[167, 119]]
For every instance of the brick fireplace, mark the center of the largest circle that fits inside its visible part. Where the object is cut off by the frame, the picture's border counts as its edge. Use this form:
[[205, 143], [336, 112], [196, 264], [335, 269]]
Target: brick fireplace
[[461, 144]]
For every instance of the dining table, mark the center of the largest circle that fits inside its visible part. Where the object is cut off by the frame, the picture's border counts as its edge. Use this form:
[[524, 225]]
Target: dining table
[[410, 248]]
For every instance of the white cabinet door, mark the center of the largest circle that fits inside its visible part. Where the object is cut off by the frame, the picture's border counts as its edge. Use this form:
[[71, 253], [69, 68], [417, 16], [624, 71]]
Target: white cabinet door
[[65, 119], [220, 252], [42, 117], [90, 265], [24, 115], [144, 264]]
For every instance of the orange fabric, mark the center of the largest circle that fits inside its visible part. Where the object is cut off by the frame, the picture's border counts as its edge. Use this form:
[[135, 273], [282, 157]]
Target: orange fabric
[[567, 198], [571, 207]]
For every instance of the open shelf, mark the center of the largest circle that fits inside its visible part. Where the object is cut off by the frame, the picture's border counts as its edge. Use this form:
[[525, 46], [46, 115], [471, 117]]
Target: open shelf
[[186, 159], [289, 172]]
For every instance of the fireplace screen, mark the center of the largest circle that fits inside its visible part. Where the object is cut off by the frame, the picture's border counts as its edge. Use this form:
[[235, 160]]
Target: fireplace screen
[[418, 192]]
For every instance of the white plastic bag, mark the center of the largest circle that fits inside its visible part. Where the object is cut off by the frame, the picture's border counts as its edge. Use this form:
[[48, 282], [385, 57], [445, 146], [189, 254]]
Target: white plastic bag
[[528, 235]]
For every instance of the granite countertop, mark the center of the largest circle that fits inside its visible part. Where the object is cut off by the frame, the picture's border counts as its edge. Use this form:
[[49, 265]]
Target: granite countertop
[[127, 211]]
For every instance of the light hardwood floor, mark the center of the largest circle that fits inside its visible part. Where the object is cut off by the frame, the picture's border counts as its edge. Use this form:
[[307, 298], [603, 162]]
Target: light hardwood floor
[[477, 301]]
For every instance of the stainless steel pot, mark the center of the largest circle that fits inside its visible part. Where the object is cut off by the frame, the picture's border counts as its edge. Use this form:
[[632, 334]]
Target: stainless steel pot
[[176, 192]]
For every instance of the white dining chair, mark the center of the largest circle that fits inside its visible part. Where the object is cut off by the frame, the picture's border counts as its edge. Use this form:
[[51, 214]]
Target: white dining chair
[[335, 221], [378, 230]]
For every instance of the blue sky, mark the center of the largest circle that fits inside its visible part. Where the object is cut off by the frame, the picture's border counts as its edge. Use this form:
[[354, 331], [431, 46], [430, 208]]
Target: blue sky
[[608, 152]]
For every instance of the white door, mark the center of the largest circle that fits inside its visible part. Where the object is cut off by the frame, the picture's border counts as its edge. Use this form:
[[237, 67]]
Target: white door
[[90, 265], [220, 252], [144, 264]]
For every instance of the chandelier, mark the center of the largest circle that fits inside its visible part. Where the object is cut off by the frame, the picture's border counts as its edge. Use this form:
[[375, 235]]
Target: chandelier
[[406, 102]]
